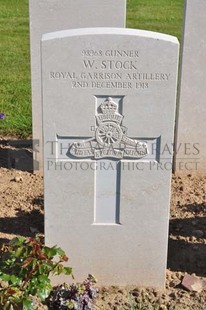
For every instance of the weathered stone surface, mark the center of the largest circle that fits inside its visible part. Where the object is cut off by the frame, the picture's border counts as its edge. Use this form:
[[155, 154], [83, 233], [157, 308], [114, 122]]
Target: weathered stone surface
[[108, 112], [190, 140], [54, 15]]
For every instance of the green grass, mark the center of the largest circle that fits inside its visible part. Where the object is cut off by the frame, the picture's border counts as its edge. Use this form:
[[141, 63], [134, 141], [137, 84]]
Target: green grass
[[156, 15], [15, 92]]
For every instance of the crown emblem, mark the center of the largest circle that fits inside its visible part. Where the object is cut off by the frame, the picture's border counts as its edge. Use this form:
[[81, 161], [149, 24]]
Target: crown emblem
[[108, 106], [109, 112]]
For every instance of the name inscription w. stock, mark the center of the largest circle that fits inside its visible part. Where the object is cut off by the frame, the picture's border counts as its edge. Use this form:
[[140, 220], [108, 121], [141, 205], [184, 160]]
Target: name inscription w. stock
[[105, 70], [106, 149]]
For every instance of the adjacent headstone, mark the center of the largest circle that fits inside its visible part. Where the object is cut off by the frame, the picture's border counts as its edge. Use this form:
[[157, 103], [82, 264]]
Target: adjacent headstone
[[108, 111], [53, 15], [190, 140]]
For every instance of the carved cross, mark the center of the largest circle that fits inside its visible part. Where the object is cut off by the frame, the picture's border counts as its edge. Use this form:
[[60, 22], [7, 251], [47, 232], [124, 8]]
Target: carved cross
[[107, 148]]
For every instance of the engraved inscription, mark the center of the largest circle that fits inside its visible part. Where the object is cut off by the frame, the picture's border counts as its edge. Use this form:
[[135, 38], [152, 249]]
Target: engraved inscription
[[111, 69], [111, 53], [110, 64], [110, 138]]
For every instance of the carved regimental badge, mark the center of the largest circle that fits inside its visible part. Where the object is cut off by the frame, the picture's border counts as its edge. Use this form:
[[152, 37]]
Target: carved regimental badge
[[110, 138]]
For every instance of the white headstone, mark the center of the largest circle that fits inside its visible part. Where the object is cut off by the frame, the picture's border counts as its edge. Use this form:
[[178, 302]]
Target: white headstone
[[191, 129], [108, 110], [54, 15]]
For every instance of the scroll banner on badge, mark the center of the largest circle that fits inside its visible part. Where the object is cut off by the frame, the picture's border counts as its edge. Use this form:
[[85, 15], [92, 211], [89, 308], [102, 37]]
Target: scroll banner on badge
[[84, 150]]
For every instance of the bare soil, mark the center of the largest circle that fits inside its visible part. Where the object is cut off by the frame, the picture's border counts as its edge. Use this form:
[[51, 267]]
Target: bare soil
[[21, 213]]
